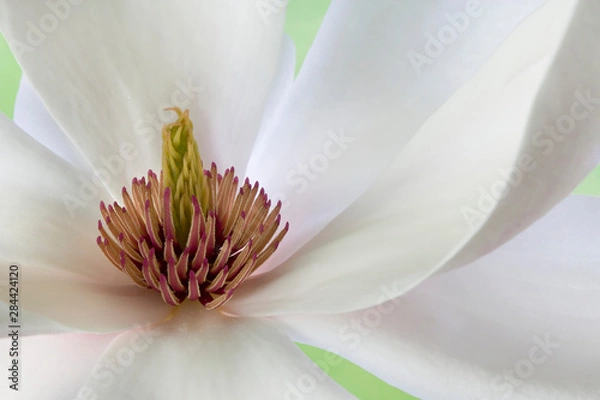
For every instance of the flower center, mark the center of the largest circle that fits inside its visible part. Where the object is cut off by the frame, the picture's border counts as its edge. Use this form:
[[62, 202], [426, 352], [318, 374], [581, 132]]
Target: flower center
[[190, 233]]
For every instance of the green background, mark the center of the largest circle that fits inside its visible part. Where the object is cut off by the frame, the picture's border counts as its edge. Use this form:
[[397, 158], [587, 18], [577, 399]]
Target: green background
[[303, 21]]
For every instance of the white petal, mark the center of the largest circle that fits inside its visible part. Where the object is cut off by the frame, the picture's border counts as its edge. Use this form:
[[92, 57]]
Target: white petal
[[48, 227], [31, 115], [200, 354], [521, 323], [31, 323], [358, 100], [84, 306], [52, 367], [412, 223], [107, 70], [49, 211], [282, 83]]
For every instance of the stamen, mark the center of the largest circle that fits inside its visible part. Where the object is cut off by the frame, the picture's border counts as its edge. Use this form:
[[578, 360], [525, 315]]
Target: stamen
[[190, 239]]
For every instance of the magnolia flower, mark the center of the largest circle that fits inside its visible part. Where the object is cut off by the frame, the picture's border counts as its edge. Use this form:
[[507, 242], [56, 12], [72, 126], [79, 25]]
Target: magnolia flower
[[417, 138]]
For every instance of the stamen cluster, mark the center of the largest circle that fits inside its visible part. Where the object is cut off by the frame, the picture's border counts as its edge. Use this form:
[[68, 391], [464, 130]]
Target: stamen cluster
[[227, 241]]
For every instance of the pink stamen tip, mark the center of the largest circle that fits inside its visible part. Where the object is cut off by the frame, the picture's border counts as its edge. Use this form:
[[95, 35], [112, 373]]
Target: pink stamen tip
[[196, 204]]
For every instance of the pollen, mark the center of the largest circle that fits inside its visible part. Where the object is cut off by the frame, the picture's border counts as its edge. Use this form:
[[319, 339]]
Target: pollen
[[190, 233]]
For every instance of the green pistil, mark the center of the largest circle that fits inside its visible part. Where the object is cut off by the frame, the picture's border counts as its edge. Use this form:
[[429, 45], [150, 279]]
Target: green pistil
[[183, 172]]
